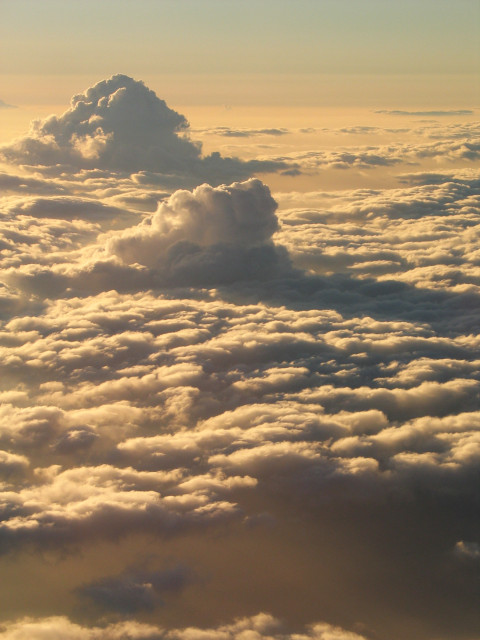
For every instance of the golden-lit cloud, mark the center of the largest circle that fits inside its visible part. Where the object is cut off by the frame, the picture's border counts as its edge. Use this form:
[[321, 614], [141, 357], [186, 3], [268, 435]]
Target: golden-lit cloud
[[240, 399]]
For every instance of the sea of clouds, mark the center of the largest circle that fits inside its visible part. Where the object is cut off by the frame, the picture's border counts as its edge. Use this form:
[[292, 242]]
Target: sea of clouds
[[288, 381]]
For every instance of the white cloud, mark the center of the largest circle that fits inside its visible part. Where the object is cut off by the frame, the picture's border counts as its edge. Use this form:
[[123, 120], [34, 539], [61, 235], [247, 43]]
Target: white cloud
[[208, 235], [242, 214]]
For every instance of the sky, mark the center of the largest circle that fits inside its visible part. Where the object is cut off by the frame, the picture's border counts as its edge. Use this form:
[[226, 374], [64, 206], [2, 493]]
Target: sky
[[247, 43], [239, 311], [272, 36]]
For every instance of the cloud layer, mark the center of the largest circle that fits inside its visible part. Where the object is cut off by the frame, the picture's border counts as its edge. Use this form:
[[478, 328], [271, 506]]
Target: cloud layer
[[259, 627], [217, 401]]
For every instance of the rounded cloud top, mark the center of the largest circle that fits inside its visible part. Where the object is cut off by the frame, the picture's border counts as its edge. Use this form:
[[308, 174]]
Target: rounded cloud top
[[121, 125], [240, 214], [118, 124], [210, 234]]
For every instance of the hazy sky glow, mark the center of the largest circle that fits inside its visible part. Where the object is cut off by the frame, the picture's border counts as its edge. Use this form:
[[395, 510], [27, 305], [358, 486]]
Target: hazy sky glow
[[239, 311], [218, 36], [436, 39]]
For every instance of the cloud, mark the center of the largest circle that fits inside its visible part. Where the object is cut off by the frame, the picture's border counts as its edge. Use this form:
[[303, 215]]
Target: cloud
[[136, 589], [260, 627], [108, 125], [318, 416], [433, 114], [343, 233], [242, 214], [263, 626], [283, 398], [11, 464], [69, 208], [209, 234], [5, 105], [312, 161], [24, 184], [468, 550], [449, 150], [104, 501], [228, 132], [119, 124]]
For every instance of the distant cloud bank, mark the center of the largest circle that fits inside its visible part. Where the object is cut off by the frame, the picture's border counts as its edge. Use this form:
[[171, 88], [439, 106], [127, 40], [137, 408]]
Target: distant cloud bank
[[433, 114]]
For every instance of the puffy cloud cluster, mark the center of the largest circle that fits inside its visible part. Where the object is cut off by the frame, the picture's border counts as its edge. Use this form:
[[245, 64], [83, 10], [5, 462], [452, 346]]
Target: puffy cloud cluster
[[117, 123], [210, 234], [63, 506], [424, 235], [143, 414], [259, 627], [301, 439], [445, 151], [121, 125]]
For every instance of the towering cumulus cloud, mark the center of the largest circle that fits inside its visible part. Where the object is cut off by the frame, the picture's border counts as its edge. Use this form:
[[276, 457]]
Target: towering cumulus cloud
[[119, 124], [208, 235]]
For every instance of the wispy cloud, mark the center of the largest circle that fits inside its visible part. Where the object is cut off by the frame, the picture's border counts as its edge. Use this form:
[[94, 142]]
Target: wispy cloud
[[428, 114], [5, 105]]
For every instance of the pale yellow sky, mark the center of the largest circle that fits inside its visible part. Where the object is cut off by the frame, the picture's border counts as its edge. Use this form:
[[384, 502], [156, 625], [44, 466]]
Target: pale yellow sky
[[254, 101], [289, 90], [274, 52], [214, 36]]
